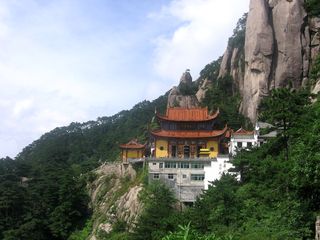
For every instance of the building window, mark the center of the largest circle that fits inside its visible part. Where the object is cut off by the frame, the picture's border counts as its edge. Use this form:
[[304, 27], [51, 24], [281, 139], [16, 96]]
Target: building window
[[211, 149], [197, 177], [239, 144], [197, 165], [170, 165], [161, 148], [160, 165], [156, 176], [154, 164], [170, 176], [185, 165], [184, 176], [249, 144]]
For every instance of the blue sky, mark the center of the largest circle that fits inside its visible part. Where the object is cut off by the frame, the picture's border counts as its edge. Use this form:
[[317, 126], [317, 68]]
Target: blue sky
[[64, 61]]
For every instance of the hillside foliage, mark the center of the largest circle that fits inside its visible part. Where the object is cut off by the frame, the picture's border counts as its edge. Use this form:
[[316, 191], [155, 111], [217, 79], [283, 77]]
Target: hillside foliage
[[313, 7], [42, 191], [278, 197]]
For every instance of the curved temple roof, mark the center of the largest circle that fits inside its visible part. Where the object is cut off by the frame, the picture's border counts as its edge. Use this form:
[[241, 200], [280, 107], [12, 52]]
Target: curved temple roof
[[242, 131], [133, 144], [190, 134], [188, 115]]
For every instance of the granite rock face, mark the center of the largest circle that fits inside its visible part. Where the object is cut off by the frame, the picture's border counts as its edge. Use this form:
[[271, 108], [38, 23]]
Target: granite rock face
[[186, 78], [314, 25], [203, 88], [225, 63], [291, 58], [179, 97], [259, 46], [280, 44]]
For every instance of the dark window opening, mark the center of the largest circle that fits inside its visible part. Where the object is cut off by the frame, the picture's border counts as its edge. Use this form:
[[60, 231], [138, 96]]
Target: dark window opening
[[173, 151], [186, 151]]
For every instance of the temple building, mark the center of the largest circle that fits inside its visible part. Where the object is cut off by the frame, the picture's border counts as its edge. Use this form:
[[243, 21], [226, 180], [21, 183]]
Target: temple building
[[188, 133], [243, 139], [132, 150], [186, 148]]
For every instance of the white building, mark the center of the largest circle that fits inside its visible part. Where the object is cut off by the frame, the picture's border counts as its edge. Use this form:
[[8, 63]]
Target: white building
[[242, 139], [218, 166]]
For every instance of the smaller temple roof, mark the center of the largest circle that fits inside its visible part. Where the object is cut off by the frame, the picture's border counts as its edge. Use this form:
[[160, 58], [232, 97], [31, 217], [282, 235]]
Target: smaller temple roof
[[189, 134], [242, 131], [133, 144], [188, 114]]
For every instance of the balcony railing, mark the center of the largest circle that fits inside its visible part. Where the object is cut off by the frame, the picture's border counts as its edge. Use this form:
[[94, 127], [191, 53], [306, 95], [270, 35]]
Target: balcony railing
[[164, 159]]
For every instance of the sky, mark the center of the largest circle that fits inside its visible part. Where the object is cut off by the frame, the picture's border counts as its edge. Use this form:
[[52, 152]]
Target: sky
[[64, 61]]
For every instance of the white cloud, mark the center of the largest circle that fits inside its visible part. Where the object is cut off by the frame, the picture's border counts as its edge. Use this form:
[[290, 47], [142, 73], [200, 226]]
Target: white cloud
[[22, 106], [205, 26], [64, 61]]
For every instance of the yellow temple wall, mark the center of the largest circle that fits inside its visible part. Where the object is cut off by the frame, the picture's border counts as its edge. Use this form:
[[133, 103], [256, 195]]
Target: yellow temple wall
[[164, 152], [131, 154], [215, 146]]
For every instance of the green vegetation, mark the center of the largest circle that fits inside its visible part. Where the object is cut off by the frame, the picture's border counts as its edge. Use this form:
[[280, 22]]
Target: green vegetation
[[158, 215], [186, 89], [278, 197], [187, 233], [313, 7], [315, 71], [238, 38], [43, 191], [50, 201], [211, 70], [221, 96]]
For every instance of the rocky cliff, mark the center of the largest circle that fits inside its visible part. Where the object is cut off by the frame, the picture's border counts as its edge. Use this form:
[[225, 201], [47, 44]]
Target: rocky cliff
[[183, 95], [281, 42], [114, 198]]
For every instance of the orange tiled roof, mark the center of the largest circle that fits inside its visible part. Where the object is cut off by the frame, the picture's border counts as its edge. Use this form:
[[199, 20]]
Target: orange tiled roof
[[133, 144], [188, 114], [242, 131], [189, 134]]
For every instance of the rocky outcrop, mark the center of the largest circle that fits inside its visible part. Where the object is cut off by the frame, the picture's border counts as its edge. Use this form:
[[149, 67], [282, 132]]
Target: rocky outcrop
[[259, 45], [114, 197], [314, 25], [186, 78], [232, 64], [203, 88], [225, 63], [129, 206], [183, 95], [277, 51], [291, 56]]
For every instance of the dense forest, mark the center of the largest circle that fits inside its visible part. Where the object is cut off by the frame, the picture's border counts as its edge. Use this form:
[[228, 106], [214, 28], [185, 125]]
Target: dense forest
[[278, 196], [43, 190]]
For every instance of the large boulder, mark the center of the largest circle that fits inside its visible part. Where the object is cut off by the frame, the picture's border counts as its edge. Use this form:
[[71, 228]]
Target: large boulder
[[183, 96]]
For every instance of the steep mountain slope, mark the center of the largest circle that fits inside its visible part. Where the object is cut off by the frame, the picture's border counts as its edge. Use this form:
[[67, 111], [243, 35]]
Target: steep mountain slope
[[280, 47], [43, 190], [43, 194]]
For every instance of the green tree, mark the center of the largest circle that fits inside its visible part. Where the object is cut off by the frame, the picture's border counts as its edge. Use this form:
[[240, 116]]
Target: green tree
[[154, 221], [313, 7], [282, 109]]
